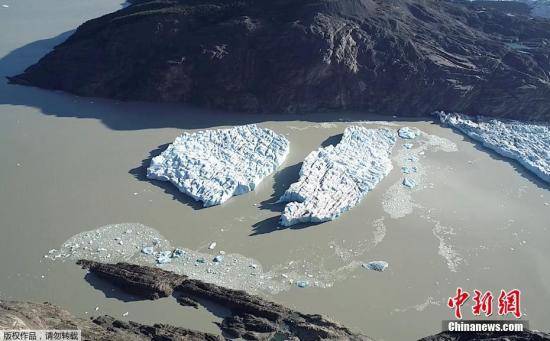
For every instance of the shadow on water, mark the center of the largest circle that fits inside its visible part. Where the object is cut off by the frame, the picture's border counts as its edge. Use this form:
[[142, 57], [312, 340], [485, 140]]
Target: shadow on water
[[214, 308], [332, 140], [140, 173], [118, 115], [282, 180], [110, 290], [518, 167]]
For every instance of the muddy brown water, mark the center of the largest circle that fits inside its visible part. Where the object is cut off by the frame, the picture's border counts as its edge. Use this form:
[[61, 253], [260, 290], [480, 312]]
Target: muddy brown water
[[73, 164]]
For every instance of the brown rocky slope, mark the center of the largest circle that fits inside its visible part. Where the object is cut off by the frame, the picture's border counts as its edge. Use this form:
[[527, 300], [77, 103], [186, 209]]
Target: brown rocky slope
[[393, 57]]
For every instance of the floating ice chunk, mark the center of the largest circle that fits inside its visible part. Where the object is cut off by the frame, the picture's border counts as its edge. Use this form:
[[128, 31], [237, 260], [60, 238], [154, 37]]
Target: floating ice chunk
[[302, 284], [407, 145], [148, 250], [218, 258], [527, 143], [164, 257], [408, 182], [212, 246], [408, 170], [334, 179], [378, 265], [408, 133], [177, 253], [214, 165]]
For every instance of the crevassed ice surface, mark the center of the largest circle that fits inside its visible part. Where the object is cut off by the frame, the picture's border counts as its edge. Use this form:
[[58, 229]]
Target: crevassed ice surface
[[527, 143], [214, 165], [334, 179]]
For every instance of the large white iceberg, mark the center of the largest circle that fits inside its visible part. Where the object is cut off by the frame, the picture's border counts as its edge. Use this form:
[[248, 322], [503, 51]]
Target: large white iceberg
[[334, 179], [527, 143], [214, 165]]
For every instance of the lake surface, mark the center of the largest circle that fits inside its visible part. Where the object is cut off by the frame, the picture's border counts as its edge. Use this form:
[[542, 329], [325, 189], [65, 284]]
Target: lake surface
[[74, 164]]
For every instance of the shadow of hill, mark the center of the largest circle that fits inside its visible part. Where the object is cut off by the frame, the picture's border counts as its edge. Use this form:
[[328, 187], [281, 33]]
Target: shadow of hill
[[119, 115]]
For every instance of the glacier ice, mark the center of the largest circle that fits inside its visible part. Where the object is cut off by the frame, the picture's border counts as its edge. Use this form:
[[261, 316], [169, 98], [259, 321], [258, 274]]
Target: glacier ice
[[377, 265], [408, 133], [214, 165], [527, 143], [410, 183], [334, 179]]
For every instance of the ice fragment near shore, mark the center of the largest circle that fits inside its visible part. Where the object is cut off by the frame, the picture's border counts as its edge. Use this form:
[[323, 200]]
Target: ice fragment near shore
[[214, 165], [527, 143], [410, 183], [334, 179], [408, 133]]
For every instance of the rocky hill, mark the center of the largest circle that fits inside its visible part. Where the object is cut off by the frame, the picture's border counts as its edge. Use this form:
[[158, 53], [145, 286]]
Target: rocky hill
[[394, 57]]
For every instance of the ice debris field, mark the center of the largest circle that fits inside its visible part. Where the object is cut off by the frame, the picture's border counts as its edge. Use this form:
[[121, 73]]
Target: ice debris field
[[213, 165], [334, 179], [139, 244], [527, 143]]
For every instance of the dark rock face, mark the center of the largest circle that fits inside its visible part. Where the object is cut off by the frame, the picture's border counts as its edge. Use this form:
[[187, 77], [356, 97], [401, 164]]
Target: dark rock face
[[395, 57], [26, 315], [252, 317], [150, 283], [501, 336]]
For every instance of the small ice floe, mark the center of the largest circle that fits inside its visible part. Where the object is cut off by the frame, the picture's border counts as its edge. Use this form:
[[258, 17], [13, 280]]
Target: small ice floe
[[410, 183], [302, 284], [125, 314], [218, 258], [177, 253], [408, 133], [408, 170], [408, 145], [148, 250], [378, 265], [164, 257], [212, 246], [5, 6], [201, 260]]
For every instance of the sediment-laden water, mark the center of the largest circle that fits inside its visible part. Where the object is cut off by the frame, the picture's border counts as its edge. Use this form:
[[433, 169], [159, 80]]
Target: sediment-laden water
[[72, 165]]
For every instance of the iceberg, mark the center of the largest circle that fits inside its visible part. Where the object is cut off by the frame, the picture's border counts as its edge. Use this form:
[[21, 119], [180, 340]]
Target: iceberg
[[527, 143], [213, 165], [334, 179]]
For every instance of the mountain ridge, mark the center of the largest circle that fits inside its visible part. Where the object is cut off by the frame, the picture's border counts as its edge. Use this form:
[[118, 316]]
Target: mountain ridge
[[393, 57]]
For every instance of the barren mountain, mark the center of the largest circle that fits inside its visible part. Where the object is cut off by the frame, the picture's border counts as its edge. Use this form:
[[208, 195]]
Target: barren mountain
[[394, 57]]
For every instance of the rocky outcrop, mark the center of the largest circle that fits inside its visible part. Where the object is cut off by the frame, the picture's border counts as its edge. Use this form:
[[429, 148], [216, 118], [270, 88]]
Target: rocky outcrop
[[398, 57], [500, 336], [252, 318], [26, 315]]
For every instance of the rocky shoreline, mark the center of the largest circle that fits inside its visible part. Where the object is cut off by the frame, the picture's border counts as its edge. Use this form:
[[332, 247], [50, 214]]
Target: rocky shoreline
[[252, 318]]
